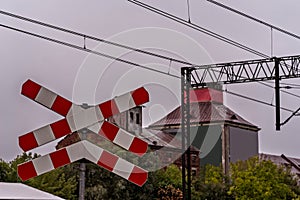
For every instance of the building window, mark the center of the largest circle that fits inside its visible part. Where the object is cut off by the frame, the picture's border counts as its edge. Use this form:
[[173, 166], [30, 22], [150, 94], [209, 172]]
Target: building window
[[131, 117], [137, 118]]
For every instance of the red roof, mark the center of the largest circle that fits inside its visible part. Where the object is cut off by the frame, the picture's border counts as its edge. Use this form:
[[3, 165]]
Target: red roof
[[203, 113]]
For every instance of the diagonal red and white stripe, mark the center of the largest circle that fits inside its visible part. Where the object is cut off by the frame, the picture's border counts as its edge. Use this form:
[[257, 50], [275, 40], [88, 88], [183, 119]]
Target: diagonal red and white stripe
[[80, 150], [45, 97], [76, 117], [120, 137], [64, 107]]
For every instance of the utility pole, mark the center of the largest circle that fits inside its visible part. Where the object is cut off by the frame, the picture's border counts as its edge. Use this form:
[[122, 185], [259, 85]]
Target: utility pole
[[82, 165], [185, 132], [82, 169], [277, 94]]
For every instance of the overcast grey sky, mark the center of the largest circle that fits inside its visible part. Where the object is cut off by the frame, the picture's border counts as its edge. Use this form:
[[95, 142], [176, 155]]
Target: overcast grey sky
[[61, 68]]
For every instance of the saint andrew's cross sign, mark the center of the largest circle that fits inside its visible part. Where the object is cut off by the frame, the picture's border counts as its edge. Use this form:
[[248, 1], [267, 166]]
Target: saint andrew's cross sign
[[78, 118]]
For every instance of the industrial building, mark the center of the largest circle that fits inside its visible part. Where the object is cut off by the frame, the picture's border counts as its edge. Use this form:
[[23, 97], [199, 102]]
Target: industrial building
[[219, 135]]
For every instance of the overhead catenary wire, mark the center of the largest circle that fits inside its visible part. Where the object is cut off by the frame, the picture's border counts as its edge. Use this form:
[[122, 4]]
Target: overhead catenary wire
[[289, 87], [272, 27], [198, 28], [87, 50], [125, 46], [255, 19], [182, 21], [286, 92], [256, 100], [290, 84], [111, 57], [85, 36], [127, 62], [291, 116]]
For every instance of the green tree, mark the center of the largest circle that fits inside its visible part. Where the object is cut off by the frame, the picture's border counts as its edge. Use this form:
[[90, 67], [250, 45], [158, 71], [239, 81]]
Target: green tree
[[55, 182], [251, 179], [12, 174], [171, 175], [102, 184], [211, 184], [168, 183], [4, 170], [254, 179]]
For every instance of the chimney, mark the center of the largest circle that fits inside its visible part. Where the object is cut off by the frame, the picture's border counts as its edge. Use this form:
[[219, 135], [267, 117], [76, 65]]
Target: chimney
[[206, 95]]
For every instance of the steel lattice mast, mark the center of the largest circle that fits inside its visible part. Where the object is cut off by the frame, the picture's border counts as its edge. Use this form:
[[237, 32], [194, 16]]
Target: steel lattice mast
[[229, 73]]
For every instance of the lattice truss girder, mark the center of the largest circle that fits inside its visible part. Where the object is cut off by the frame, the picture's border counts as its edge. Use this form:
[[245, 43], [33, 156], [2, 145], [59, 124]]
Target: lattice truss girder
[[246, 71]]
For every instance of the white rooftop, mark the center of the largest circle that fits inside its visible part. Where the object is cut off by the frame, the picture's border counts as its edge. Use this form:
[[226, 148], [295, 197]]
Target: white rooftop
[[22, 191]]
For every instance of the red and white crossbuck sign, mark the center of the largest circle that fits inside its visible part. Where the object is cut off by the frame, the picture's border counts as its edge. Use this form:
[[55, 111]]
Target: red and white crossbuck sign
[[77, 118]]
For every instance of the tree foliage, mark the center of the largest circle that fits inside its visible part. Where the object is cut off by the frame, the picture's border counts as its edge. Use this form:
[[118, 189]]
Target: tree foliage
[[4, 170], [10, 168], [254, 179], [56, 182], [251, 179], [211, 184], [169, 176], [102, 184]]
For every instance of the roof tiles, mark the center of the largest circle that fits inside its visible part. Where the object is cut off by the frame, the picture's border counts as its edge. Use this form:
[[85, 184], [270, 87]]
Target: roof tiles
[[202, 113]]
